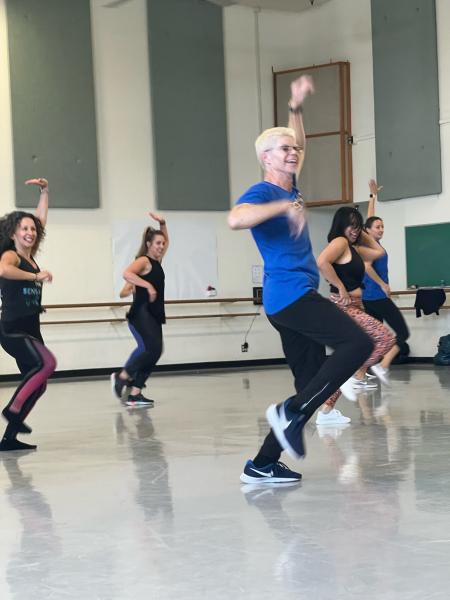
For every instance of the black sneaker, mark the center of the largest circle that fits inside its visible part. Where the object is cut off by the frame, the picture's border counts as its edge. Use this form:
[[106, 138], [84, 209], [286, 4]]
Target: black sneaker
[[139, 400], [11, 417], [118, 385], [12, 445], [274, 473], [287, 427]]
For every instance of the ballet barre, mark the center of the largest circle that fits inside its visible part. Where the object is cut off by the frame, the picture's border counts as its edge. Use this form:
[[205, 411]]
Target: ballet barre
[[220, 315], [405, 308], [413, 293], [112, 305]]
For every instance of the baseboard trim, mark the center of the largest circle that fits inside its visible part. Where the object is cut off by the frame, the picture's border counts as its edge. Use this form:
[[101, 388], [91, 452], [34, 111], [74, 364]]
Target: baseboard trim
[[418, 360], [176, 368], [188, 368]]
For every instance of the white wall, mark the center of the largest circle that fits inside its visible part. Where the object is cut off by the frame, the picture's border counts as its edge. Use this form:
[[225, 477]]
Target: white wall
[[78, 246], [339, 30]]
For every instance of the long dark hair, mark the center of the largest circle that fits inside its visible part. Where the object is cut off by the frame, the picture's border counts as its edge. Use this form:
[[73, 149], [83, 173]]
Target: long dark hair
[[8, 227], [147, 238], [344, 217], [370, 221]]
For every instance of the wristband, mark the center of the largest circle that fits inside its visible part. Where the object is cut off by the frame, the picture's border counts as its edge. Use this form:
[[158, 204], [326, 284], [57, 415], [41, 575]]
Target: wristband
[[295, 111], [299, 202]]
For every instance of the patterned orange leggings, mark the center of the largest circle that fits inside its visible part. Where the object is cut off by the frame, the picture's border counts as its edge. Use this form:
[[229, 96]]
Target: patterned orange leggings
[[384, 339]]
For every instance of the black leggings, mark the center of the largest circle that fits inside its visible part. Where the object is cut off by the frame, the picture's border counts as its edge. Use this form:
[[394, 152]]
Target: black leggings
[[306, 327], [150, 330], [22, 340], [386, 310]]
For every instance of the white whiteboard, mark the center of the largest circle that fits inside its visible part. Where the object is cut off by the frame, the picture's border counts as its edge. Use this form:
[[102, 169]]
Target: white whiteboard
[[190, 264]]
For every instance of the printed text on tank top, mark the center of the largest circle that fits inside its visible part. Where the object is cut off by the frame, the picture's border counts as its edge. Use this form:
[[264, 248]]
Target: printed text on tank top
[[21, 298]]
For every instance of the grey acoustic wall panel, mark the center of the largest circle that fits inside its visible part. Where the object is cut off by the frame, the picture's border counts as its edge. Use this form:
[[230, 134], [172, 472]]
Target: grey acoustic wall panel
[[52, 94], [188, 104], [406, 98]]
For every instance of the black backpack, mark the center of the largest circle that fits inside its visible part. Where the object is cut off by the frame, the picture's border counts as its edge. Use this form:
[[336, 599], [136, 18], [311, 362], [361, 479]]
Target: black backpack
[[443, 355]]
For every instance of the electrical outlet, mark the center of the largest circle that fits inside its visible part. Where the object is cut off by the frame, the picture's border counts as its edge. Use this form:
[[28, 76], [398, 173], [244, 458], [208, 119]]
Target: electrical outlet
[[257, 295], [244, 347]]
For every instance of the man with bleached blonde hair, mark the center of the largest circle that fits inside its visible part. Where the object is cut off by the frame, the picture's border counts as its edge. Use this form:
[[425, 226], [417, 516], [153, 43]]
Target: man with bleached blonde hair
[[274, 212], [268, 138]]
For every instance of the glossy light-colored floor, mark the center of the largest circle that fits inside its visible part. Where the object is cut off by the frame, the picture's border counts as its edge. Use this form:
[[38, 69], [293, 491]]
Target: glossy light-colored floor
[[147, 504]]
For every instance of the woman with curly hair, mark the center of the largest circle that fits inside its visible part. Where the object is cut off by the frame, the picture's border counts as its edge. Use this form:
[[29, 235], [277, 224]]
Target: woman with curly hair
[[21, 279]]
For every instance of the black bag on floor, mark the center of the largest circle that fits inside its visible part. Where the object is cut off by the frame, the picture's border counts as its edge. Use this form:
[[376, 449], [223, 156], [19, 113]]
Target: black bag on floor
[[443, 355]]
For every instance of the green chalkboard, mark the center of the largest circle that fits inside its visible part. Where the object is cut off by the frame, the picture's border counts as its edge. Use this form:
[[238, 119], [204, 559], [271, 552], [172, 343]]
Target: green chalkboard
[[428, 254]]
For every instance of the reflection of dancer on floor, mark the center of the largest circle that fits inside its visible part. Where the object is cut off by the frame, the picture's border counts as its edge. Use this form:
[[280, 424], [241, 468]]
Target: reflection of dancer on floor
[[342, 265], [153, 494], [273, 210], [291, 537], [39, 548], [376, 293], [21, 289], [146, 314]]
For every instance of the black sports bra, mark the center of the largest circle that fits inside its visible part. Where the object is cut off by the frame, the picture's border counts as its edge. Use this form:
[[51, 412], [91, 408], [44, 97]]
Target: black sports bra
[[351, 273]]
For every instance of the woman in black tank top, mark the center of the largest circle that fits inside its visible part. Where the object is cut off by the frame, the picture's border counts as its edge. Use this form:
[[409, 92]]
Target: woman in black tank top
[[146, 314], [342, 261], [21, 286], [342, 265]]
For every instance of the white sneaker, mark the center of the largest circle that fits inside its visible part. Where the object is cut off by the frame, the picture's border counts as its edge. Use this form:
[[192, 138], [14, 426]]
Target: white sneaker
[[348, 391], [364, 384], [381, 373], [369, 376], [334, 417]]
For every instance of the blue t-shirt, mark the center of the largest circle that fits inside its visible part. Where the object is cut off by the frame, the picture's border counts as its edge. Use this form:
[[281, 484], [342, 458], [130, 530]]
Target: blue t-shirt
[[290, 270], [372, 291]]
